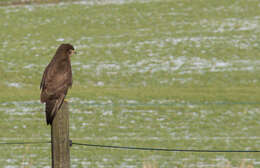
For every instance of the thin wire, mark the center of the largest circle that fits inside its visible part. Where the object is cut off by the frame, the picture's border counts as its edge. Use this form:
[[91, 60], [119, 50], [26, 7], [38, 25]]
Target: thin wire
[[139, 148], [167, 150]]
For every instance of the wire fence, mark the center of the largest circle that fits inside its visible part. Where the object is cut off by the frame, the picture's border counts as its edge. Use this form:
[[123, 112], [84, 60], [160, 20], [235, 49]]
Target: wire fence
[[137, 148], [149, 148]]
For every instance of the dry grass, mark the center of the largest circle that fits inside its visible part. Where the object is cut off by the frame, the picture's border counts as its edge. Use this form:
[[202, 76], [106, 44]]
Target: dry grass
[[27, 161], [243, 164], [149, 164]]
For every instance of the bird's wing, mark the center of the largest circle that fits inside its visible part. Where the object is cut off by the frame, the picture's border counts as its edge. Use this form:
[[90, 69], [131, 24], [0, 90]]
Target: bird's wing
[[54, 83], [52, 107], [44, 76]]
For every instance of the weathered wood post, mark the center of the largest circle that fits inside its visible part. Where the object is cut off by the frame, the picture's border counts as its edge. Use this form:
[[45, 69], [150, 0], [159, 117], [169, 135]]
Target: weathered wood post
[[60, 138]]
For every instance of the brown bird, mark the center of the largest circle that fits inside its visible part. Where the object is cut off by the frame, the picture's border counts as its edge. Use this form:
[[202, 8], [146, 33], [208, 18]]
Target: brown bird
[[56, 80]]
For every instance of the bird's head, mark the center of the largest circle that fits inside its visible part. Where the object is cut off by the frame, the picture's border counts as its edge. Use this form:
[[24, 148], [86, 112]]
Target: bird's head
[[68, 49]]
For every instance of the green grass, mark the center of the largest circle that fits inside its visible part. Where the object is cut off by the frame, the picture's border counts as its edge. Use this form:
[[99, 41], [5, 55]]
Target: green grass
[[24, 2], [165, 74]]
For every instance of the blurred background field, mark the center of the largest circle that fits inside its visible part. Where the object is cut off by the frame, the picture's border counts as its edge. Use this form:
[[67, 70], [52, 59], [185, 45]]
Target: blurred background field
[[24, 2], [149, 73]]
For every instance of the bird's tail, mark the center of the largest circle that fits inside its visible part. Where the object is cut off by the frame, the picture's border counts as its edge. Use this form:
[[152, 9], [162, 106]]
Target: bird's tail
[[52, 107]]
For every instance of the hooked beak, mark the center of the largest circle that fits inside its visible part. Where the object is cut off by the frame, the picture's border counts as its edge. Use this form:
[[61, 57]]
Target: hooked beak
[[71, 52]]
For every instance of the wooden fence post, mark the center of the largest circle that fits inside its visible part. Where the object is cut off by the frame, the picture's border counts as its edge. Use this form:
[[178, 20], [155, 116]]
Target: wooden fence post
[[60, 138]]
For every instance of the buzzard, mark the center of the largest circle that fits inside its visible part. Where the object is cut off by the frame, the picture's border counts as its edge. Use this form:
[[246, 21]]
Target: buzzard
[[56, 80]]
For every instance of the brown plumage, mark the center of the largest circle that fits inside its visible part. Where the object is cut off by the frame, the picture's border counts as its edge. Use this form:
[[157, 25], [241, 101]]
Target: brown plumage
[[56, 80]]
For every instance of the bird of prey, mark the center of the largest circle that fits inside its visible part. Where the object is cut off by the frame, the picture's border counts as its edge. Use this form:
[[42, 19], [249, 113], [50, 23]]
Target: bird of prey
[[56, 80]]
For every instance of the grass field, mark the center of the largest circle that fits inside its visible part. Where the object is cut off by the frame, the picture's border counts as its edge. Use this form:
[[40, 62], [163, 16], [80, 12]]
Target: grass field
[[150, 73]]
